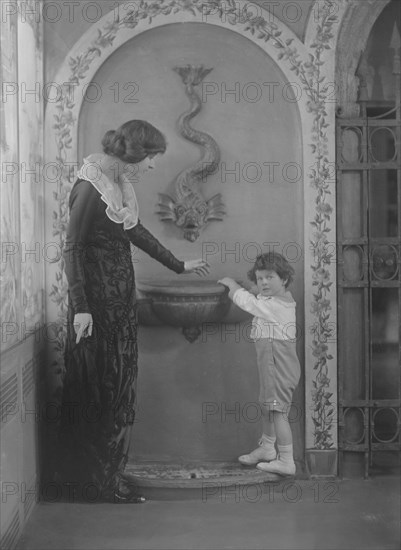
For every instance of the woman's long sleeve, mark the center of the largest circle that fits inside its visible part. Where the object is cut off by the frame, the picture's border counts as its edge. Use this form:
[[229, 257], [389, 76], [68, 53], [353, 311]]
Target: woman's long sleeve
[[83, 206], [143, 239]]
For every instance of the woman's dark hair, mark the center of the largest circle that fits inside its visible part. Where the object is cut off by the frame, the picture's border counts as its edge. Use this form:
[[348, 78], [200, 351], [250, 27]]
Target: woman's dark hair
[[134, 141], [271, 261]]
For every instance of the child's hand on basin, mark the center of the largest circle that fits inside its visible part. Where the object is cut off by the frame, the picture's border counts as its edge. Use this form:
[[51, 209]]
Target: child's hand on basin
[[230, 283]]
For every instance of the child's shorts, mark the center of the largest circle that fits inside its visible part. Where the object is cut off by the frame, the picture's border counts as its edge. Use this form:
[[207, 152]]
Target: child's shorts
[[279, 373]]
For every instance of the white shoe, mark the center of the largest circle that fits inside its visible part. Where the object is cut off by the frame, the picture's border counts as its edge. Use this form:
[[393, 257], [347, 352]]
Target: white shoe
[[262, 453], [278, 467]]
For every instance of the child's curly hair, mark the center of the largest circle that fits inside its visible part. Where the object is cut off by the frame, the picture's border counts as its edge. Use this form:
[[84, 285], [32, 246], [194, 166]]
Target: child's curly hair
[[272, 261]]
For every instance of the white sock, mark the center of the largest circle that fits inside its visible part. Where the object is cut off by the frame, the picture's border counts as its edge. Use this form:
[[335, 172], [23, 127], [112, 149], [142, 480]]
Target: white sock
[[285, 454], [268, 441]]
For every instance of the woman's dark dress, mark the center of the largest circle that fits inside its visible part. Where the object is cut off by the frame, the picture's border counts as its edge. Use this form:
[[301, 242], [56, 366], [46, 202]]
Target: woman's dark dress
[[101, 370]]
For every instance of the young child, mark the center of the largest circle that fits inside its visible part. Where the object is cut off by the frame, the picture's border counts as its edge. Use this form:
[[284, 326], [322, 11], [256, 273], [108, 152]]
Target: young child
[[273, 331]]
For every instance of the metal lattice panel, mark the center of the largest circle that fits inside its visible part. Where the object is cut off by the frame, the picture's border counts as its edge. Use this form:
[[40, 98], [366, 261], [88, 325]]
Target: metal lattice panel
[[369, 282]]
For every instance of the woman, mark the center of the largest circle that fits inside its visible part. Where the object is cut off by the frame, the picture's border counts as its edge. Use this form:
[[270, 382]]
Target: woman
[[101, 349]]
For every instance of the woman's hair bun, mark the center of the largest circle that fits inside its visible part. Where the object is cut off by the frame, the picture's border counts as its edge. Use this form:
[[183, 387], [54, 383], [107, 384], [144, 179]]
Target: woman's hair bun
[[113, 144], [134, 141], [110, 134]]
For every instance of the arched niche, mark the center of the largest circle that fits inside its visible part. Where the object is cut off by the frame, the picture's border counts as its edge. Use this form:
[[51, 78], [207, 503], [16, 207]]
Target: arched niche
[[245, 109], [308, 67]]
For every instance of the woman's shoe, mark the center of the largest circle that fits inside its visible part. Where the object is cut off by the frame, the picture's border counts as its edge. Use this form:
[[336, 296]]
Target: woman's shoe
[[128, 497], [124, 492]]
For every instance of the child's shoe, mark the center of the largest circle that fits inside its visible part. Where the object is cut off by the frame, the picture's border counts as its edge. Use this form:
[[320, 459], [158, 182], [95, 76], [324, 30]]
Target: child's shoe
[[284, 465], [265, 451]]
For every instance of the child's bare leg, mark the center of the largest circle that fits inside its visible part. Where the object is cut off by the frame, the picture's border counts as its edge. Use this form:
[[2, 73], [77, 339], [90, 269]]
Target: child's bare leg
[[266, 450], [284, 464]]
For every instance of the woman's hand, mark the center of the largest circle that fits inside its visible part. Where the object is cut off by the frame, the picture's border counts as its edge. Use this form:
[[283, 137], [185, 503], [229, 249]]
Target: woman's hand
[[83, 324], [200, 267]]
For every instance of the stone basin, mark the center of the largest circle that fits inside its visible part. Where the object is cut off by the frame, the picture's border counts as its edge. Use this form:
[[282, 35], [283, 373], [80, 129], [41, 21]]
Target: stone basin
[[206, 481], [186, 303]]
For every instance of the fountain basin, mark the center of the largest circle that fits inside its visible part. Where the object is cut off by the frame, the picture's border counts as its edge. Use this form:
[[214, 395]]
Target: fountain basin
[[185, 303], [172, 481]]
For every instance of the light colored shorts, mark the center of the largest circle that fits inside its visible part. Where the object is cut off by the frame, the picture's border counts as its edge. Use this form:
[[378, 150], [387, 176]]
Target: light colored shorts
[[279, 373]]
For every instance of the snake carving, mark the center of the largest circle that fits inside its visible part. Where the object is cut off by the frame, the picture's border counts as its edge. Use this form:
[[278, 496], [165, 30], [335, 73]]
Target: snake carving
[[187, 208]]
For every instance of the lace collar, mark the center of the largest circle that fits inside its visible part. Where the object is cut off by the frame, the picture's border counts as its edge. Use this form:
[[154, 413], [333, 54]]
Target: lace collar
[[122, 206]]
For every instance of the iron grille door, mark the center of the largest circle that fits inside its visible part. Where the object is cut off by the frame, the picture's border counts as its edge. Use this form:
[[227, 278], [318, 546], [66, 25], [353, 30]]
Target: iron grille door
[[369, 283]]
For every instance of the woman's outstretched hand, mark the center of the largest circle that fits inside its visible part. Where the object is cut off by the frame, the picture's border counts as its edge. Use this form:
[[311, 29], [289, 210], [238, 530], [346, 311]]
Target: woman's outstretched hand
[[83, 324], [200, 267]]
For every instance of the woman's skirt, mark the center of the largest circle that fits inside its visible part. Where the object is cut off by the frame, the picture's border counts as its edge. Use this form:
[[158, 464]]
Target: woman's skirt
[[99, 391]]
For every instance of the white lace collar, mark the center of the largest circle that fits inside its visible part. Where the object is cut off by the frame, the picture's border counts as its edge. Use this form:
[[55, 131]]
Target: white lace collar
[[122, 206]]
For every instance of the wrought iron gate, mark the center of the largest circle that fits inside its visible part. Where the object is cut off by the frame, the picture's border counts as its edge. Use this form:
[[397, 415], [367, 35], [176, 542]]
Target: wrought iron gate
[[369, 281]]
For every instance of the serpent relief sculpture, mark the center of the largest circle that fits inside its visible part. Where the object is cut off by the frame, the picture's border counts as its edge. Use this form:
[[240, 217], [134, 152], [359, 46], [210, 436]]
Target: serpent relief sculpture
[[187, 208]]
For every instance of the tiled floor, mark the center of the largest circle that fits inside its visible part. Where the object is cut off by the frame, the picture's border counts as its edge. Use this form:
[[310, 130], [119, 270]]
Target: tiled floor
[[307, 514]]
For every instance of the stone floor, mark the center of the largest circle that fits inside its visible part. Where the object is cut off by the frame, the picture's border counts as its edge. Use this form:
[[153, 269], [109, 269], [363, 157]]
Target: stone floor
[[290, 514]]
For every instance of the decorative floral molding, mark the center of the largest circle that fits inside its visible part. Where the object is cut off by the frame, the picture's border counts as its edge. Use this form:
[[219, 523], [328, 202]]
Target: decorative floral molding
[[320, 177], [314, 84]]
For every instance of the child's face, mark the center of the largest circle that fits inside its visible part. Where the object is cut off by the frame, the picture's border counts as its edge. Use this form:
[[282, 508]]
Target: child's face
[[269, 283]]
